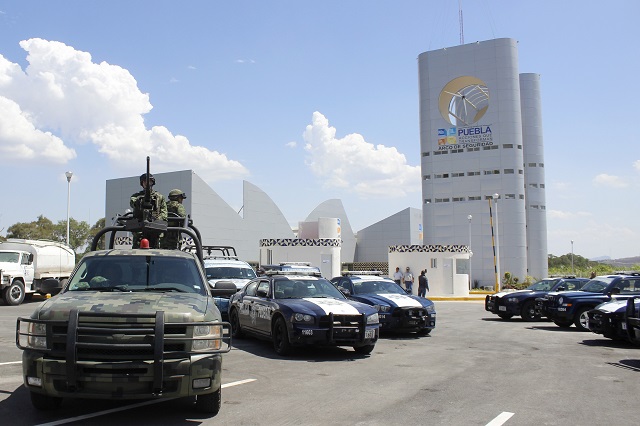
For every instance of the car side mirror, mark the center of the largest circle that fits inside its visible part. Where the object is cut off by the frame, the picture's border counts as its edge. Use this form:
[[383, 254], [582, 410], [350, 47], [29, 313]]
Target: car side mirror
[[561, 288], [223, 288], [261, 293], [51, 286], [345, 291]]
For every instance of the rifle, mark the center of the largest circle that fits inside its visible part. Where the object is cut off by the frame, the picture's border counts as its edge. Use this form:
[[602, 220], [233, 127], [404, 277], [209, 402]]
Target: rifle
[[146, 205]]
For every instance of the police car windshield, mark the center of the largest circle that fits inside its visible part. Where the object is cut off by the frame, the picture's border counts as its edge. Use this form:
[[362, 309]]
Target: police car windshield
[[228, 272], [542, 285], [377, 287], [597, 285], [137, 273], [305, 288]]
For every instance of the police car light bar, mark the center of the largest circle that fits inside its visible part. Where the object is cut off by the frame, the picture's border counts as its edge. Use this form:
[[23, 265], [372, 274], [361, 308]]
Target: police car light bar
[[293, 272], [295, 263]]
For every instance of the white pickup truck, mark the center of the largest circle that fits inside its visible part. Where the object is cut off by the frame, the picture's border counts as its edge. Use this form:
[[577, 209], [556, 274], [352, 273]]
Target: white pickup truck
[[25, 264]]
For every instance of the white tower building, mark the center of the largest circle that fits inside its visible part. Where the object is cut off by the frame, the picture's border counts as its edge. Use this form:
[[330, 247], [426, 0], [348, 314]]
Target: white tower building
[[481, 134]]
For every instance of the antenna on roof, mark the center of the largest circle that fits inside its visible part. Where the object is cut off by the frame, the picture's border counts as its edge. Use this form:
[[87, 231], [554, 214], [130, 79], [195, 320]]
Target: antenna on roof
[[461, 23]]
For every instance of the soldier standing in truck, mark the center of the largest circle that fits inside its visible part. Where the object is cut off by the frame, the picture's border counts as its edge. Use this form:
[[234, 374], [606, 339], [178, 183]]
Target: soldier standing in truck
[[175, 210], [157, 206]]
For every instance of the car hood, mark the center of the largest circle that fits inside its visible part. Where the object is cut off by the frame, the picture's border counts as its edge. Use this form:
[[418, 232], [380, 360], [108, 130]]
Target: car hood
[[325, 306], [572, 293], [516, 292], [395, 300], [178, 307], [612, 306]]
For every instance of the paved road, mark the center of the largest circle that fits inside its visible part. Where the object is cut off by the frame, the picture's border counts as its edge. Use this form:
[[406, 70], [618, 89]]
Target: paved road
[[474, 370]]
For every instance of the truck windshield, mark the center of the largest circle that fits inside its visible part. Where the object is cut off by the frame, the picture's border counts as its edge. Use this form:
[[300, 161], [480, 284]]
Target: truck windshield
[[138, 273], [221, 272], [9, 256], [377, 287]]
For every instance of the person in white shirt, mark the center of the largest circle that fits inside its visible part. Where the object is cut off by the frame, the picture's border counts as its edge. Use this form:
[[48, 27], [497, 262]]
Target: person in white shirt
[[408, 280]]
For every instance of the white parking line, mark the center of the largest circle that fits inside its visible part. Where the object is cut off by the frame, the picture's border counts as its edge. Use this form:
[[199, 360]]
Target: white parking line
[[501, 419], [128, 407], [11, 362]]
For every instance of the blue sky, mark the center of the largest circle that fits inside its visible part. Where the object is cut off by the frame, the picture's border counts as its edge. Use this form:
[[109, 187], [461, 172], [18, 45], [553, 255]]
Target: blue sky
[[307, 100]]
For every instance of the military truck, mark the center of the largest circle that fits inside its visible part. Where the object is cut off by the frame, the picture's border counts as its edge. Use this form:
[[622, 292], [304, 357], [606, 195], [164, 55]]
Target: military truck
[[25, 264], [129, 324]]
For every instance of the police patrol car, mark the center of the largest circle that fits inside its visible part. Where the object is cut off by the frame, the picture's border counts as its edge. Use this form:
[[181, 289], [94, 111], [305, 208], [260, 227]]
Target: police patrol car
[[294, 308], [225, 270], [398, 310]]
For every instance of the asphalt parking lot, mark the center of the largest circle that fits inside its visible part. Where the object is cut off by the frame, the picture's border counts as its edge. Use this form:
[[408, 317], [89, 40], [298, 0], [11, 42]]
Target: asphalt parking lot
[[474, 369]]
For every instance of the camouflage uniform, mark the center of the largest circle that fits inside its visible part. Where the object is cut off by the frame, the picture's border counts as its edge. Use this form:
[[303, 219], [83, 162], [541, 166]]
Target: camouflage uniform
[[158, 212], [172, 238]]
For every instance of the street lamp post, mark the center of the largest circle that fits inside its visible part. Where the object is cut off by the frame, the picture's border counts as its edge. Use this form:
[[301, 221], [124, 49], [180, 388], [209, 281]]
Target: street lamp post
[[495, 198], [572, 273], [68, 175], [470, 253]]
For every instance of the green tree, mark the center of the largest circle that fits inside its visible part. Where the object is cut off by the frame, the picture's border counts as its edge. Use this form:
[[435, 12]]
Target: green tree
[[80, 234], [40, 229]]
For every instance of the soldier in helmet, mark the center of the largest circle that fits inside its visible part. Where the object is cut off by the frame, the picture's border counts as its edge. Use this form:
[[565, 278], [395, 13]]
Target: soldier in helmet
[[158, 207], [176, 210]]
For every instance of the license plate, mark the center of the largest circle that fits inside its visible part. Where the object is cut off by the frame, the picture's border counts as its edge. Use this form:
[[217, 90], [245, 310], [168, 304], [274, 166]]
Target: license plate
[[369, 334], [413, 322], [502, 308], [624, 325], [562, 309]]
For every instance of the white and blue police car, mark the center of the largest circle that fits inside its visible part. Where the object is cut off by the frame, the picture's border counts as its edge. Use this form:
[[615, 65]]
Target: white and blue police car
[[398, 310]]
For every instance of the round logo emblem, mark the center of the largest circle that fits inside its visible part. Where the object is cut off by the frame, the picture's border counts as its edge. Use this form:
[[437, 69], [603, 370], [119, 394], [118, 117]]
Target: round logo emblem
[[463, 101]]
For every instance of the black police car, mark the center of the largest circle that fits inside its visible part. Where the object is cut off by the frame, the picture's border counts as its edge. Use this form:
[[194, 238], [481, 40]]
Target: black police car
[[632, 319], [301, 308], [608, 319], [398, 310], [572, 307], [522, 302]]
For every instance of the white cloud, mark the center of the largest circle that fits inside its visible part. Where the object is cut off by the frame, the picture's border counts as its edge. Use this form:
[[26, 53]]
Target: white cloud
[[291, 144], [636, 164], [20, 140], [610, 181], [356, 165], [64, 98]]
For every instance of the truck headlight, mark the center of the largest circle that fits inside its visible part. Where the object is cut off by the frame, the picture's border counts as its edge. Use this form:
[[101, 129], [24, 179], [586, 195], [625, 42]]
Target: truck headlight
[[37, 335], [382, 308], [373, 319], [207, 337], [302, 318], [431, 309]]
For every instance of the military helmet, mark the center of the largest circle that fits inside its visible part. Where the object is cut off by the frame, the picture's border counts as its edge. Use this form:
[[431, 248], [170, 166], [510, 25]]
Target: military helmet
[[143, 178], [176, 193]]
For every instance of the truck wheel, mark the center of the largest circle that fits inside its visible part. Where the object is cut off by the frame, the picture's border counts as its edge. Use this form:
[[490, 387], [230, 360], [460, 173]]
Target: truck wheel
[[582, 319], [364, 350], [528, 312], [234, 319], [210, 402], [45, 402], [14, 294], [280, 336]]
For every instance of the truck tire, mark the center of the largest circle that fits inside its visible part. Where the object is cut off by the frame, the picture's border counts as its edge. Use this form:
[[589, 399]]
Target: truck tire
[[210, 402], [45, 402], [14, 294]]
